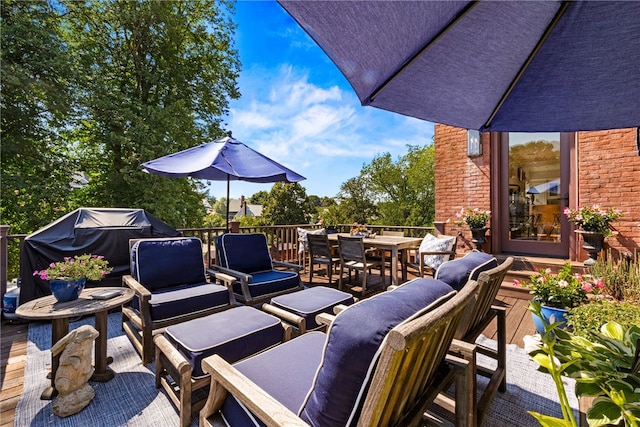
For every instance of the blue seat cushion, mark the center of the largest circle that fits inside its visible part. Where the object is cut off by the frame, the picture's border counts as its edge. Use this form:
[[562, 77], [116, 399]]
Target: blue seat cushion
[[286, 372], [167, 262], [233, 334], [245, 252], [310, 302], [178, 301], [352, 349], [457, 272], [268, 282]]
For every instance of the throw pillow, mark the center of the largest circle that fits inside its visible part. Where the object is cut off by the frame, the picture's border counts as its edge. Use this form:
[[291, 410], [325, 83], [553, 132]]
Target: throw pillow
[[302, 238], [431, 243]]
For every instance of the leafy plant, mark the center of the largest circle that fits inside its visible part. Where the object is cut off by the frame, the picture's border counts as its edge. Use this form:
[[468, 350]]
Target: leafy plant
[[474, 217], [585, 319], [593, 218], [562, 290], [605, 366], [93, 267]]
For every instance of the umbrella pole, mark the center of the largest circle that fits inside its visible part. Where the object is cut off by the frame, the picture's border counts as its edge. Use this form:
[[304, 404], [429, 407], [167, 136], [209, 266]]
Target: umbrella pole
[[227, 217]]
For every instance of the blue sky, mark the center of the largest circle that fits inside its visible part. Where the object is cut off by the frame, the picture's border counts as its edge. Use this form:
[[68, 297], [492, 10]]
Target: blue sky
[[298, 109]]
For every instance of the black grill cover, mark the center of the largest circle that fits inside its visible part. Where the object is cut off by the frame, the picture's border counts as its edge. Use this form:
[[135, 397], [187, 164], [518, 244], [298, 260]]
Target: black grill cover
[[99, 231]]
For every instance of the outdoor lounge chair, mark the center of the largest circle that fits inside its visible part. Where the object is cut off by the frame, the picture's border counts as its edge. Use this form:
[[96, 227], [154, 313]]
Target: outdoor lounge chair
[[256, 277], [170, 285], [382, 362], [478, 315]]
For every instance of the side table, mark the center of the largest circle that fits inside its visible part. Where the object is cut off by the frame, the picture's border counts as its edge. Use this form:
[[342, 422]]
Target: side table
[[48, 308]]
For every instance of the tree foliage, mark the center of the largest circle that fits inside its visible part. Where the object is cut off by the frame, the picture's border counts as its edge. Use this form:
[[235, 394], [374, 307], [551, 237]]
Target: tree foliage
[[388, 192], [287, 204], [156, 79], [100, 87], [36, 78]]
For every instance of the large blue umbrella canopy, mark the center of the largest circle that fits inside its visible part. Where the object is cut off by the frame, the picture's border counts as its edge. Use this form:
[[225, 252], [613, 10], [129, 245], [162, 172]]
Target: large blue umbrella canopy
[[224, 159], [526, 66]]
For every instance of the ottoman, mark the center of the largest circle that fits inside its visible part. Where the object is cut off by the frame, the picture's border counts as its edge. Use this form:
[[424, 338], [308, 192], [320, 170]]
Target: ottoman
[[301, 308], [234, 334]]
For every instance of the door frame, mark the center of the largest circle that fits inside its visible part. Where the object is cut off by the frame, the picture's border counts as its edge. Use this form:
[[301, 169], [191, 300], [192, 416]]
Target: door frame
[[500, 203]]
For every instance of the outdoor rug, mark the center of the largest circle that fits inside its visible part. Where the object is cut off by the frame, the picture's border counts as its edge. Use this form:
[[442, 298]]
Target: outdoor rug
[[131, 399]]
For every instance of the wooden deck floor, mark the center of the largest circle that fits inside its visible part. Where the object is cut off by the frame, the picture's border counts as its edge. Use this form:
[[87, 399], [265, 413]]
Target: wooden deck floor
[[13, 342]]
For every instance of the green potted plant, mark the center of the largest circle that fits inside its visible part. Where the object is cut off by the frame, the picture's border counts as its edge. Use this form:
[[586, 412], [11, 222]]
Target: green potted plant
[[606, 367], [595, 224], [67, 278], [557, 293]]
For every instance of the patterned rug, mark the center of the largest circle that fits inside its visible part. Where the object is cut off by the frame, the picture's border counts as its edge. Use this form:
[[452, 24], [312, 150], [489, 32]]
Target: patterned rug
[[131, 399]]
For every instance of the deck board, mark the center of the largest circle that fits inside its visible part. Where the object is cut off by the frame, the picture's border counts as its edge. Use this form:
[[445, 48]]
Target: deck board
[[13, 339]]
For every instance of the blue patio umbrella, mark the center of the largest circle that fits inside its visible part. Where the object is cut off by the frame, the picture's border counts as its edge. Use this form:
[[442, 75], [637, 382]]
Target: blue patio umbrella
[[526, 66], [225, 159]]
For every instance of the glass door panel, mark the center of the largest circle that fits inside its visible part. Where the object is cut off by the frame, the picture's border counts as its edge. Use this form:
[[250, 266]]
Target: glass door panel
[[537, 190]]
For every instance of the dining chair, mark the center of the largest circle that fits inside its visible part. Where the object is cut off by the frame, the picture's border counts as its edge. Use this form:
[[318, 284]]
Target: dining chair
[[353, 256], [320, 252]]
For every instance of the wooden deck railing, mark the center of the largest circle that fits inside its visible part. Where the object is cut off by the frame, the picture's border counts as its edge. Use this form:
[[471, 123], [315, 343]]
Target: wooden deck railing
[[283, 241]]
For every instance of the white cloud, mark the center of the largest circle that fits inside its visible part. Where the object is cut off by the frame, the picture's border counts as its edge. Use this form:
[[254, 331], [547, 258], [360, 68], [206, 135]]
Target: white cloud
[[320, 132]]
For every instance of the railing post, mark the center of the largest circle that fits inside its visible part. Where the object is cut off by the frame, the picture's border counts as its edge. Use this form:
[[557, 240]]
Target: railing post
[[4, 261]]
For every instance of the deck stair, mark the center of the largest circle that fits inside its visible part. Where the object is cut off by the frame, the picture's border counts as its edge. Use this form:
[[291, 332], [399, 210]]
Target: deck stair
[[525, 266]]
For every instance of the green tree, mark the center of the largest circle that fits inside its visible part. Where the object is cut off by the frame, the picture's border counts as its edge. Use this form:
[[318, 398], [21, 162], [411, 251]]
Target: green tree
[[157, 77], [259, 197], [357, 200], [36, 100], [287, 204], [403, 190]]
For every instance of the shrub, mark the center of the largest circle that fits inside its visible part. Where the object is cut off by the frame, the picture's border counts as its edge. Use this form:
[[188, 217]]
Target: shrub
[[587, 319]]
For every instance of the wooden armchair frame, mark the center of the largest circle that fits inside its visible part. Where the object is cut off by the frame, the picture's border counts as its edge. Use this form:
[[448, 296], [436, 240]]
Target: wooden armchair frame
[[404, 384], [140, 327], [480, 312]]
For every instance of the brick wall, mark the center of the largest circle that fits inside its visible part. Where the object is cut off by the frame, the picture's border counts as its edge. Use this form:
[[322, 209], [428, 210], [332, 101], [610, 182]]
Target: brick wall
[[608, 173], [461, 181]]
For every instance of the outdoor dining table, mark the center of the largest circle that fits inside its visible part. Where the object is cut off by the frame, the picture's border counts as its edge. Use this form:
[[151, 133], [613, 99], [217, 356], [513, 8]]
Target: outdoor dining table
[[397, 246], [48, 308]]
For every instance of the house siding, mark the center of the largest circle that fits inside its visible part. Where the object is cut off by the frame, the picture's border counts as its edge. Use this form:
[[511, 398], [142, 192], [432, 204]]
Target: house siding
[[608, 173]]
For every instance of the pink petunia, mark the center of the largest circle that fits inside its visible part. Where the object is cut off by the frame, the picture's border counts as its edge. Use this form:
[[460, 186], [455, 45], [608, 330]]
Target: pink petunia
[[563, 283]]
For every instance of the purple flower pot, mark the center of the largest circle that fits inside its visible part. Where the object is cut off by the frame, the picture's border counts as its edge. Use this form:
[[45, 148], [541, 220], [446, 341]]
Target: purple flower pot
[[67, 290]]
